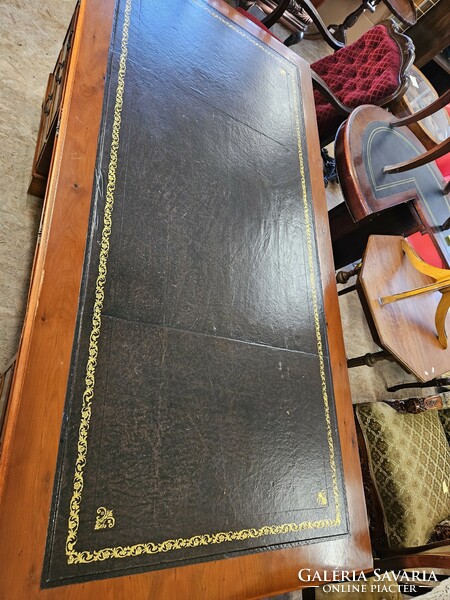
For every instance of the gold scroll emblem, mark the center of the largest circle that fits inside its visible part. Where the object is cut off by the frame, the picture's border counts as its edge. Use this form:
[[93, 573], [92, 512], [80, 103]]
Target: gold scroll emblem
[[104, 519]]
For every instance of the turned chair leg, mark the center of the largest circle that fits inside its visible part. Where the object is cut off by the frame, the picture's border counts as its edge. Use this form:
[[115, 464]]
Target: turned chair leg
[[340, 31], [344, 276], [369, 359], [442, 383]]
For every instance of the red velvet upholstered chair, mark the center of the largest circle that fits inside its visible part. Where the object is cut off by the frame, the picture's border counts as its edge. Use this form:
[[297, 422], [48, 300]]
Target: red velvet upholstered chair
[[372, 70]]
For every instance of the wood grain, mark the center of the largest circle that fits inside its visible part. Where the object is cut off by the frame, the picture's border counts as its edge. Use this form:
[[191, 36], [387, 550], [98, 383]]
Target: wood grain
[[405, 328], [33, 428]]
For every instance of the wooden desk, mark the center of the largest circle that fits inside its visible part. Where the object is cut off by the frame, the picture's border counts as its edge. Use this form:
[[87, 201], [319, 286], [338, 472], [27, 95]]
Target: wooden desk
[[32, 433]]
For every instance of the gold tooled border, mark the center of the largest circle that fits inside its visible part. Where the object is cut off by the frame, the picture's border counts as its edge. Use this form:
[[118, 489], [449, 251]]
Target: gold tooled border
[[87, 556]]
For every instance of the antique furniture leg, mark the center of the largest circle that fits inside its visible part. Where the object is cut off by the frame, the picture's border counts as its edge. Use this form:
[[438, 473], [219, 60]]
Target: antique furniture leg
[[344, 276], [404, 10], [274, 16], [329, 168], [339, 31], [440, 383], [298, 16], [370, 359]]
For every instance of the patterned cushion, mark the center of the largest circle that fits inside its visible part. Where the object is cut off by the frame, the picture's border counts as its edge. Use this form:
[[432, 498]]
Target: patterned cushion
[[365, 72], [409, 459], [444, 415]]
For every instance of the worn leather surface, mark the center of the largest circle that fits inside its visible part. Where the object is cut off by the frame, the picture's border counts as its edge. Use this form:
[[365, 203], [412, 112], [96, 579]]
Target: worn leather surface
[[199, 418], [384, 145]]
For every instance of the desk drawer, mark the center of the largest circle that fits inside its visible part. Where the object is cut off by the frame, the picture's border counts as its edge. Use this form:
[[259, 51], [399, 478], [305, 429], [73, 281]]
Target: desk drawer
[[51, 106]]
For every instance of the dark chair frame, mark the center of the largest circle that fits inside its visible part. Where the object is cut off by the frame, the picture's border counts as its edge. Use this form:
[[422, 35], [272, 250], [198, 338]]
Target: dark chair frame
[[338, 32]]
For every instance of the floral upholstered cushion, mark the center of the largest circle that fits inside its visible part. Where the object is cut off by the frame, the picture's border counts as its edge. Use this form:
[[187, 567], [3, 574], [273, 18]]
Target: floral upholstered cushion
[[409, 460]]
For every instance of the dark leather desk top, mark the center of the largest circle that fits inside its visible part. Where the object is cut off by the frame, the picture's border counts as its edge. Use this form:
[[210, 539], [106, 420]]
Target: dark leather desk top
[[199, 415]]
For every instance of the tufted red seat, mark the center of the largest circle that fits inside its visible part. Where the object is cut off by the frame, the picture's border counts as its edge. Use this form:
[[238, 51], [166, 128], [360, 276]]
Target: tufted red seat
[[366, 72]]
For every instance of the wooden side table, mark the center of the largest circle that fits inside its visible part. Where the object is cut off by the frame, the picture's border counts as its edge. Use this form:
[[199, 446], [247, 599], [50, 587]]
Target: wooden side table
[[405, 329]]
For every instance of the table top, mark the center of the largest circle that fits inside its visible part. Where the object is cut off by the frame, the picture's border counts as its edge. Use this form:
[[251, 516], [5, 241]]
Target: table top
[[406, 328], [421, 94], [208, 276]]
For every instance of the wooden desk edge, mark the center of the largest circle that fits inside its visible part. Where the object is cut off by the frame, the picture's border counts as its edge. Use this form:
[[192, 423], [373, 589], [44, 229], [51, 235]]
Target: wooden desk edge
[[27, 470]]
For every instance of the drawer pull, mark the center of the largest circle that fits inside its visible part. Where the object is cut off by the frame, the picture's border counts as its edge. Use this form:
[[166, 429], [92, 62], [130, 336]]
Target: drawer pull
[[46, 106]]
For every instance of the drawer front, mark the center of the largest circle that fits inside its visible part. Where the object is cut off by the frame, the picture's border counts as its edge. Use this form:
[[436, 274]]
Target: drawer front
[[52, 103]]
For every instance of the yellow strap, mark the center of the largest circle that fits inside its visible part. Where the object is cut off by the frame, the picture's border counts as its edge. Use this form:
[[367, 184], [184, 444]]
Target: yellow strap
[[441, 284], [441, 314]]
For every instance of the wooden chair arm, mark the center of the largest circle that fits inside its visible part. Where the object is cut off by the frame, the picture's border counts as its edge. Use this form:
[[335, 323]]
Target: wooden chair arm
[[423, 159], [425, 112], [389, 554], [320, 85]]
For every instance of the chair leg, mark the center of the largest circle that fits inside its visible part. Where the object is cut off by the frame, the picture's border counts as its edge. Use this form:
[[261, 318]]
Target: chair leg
[[369, 359], [295, 38], [441, 383], [339, 31], [345, 276]]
